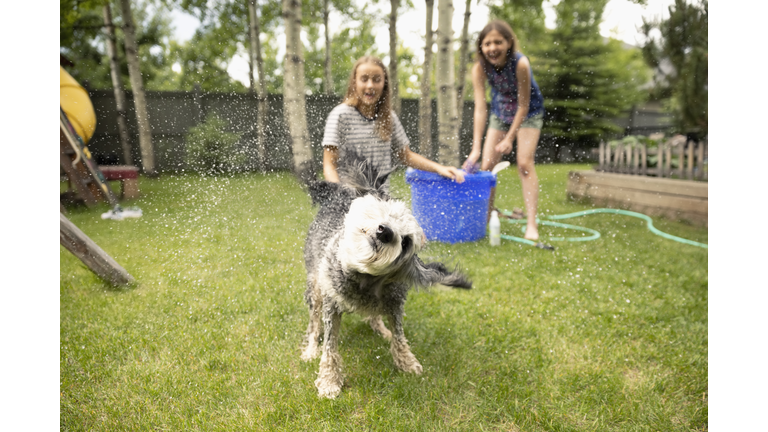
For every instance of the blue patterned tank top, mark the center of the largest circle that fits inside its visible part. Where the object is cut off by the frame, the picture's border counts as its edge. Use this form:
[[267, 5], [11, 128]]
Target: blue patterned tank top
[[504, 92]]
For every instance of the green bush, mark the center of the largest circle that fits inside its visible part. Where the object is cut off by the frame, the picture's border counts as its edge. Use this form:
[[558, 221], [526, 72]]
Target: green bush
[[212, 150]]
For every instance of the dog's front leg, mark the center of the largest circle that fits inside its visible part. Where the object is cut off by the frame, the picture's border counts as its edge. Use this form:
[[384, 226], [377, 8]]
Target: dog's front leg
[[312, 338], [401, 352], [329, 378]]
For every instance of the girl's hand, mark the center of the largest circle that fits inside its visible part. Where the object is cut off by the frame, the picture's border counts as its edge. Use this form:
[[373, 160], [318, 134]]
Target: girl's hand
[[451, 173], [470, 165], [505, 145]]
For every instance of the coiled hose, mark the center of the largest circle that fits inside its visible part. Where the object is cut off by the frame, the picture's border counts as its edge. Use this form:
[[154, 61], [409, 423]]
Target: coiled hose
[[594, 234]]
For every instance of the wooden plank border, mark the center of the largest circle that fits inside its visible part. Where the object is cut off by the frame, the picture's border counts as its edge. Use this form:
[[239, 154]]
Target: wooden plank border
[[675, 199]]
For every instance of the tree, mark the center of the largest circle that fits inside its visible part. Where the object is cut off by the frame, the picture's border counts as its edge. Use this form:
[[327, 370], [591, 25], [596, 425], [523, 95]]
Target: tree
[[83, 41], [425, 101], [294, 104], [204, 59], [117, 85], [142, 116], [463, 59], [587, 81], [354, 40], [80, 25], [394, 81], [684, 44], [447, 116], [257, 60], [328, 83], [526, 17]]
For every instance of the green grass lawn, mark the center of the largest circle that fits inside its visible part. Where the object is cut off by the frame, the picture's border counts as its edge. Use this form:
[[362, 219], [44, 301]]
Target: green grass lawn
[[603, 335]]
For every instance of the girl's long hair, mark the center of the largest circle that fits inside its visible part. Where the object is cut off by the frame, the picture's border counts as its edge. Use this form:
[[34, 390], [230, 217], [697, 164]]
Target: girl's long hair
[[506, 32], [383, 116]]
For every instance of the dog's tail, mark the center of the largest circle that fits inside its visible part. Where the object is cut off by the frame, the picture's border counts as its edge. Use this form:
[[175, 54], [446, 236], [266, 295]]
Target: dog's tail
[[357, 175], [323, 192], [424, 275]]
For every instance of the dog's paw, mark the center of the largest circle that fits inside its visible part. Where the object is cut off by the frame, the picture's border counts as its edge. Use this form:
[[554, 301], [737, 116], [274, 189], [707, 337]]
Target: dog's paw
[[414, 368], [327, 389], [408, 363]]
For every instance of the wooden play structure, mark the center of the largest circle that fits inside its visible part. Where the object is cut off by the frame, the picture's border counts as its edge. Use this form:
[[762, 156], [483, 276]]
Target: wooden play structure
[[77, 121], [91, 254], [77, 124]]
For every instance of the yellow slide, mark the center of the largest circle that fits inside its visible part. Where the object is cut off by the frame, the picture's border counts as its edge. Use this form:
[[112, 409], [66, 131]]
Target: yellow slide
[[77, 105]]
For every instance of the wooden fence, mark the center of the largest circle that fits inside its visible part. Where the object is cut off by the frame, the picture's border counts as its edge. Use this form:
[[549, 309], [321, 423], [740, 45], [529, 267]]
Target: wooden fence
[[690, 158]]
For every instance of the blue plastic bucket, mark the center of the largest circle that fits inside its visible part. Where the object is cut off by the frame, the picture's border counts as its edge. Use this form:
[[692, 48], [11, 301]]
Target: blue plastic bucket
[[447, 211]]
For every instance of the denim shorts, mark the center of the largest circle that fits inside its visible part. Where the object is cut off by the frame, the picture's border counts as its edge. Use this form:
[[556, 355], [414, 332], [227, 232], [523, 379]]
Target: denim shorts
[[535, 122]]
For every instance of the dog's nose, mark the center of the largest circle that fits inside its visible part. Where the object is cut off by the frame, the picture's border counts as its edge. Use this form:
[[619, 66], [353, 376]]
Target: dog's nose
[[384, 234]]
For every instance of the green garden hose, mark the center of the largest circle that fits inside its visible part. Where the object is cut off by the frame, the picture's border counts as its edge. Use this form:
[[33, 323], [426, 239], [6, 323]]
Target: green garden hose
[[594, 234]]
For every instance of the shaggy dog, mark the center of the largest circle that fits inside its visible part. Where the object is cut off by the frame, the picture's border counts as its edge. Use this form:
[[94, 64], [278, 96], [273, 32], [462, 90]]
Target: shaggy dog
[[360, 256]]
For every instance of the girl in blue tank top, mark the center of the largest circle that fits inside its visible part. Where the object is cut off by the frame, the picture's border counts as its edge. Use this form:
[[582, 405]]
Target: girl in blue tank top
[[517, 112]]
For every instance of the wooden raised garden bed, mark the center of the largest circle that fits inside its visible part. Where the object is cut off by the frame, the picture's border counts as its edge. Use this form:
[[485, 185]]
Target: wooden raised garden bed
[[674, 199]]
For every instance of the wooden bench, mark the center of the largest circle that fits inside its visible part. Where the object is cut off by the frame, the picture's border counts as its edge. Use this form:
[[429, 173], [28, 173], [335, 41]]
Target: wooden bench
[[127, 175]]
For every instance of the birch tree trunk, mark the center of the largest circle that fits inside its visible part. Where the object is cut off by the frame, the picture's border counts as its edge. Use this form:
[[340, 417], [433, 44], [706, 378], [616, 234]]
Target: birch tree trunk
[[447, 117], [462, 78], [137, 85], [117, 85], [393, 82], [294, 103], [327, 65], [425, 101], [261, 91]]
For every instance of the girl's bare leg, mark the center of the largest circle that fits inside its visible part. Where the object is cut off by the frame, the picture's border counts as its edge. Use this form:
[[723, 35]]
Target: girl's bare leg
[[490, 156], [489, 160], [527, 140]]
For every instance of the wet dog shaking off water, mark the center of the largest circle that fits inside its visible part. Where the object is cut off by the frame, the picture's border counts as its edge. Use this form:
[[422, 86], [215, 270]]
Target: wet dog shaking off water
[[361, 256]]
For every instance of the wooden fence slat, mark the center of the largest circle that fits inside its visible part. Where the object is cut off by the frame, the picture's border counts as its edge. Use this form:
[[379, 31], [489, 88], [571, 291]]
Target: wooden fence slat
[[634, 160], [602, 155], [659, 159], [700, 160], [689, 174], [620, 156]]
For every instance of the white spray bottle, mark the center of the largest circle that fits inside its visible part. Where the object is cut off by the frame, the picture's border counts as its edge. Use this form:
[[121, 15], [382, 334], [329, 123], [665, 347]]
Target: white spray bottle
[[494, 226]]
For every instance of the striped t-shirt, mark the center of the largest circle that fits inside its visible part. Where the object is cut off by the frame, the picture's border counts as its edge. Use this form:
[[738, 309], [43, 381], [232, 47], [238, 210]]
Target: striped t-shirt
[[346, 127]]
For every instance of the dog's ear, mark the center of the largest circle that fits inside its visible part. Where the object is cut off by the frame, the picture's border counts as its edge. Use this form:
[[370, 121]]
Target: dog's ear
[[417, 273]]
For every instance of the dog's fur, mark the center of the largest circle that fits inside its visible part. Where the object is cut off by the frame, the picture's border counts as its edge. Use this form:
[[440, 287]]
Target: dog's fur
[[360, 256]]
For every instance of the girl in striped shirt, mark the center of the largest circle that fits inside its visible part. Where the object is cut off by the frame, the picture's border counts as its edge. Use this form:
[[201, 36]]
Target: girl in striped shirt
[[364, 121]]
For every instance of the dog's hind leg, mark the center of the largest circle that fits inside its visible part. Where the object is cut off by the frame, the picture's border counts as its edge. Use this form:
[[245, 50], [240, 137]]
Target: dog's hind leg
[[378, 326], [401, 352], [329, 378], [312, 339]]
